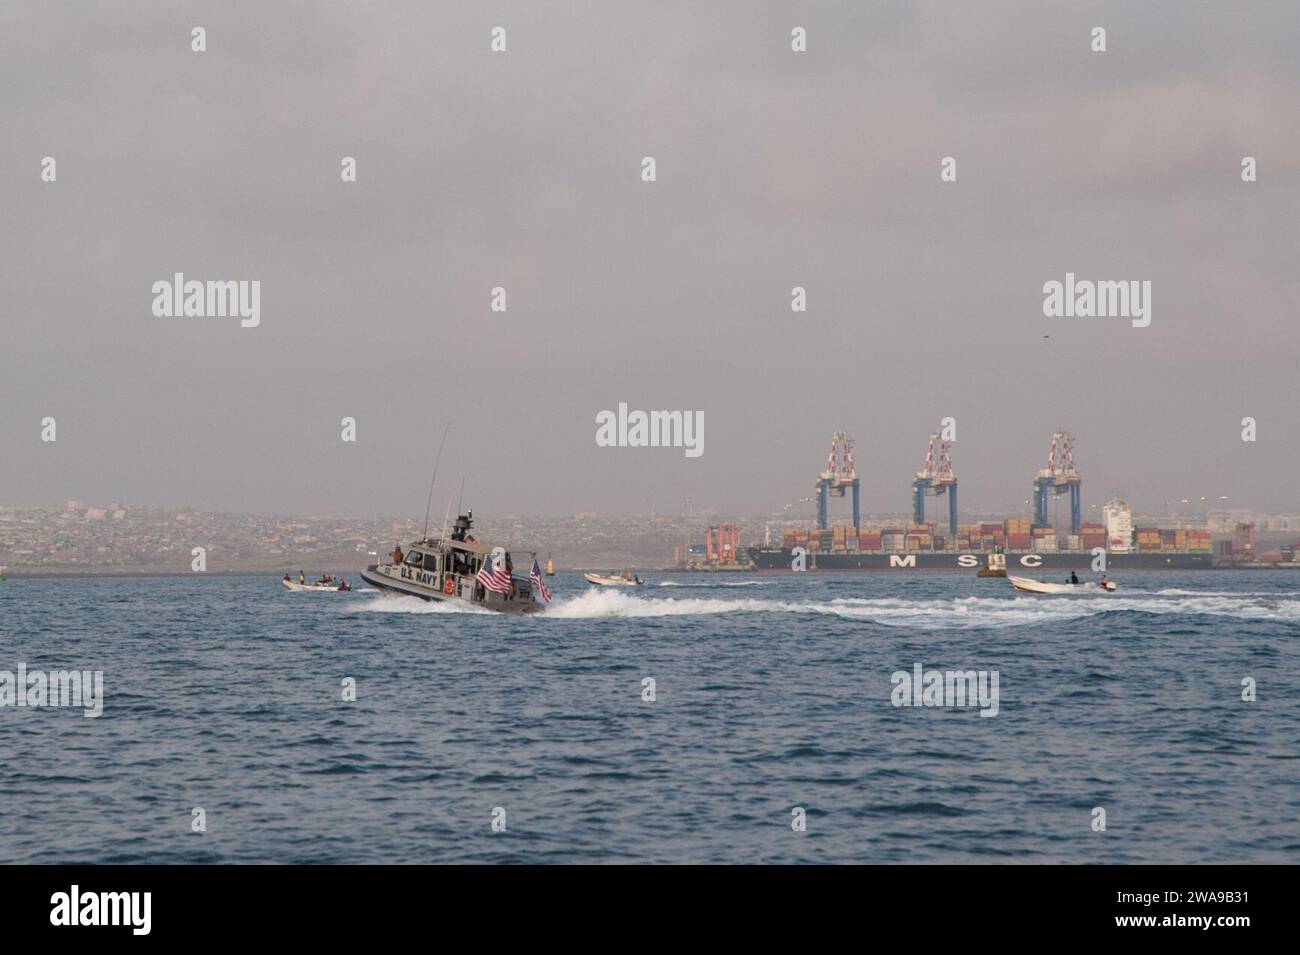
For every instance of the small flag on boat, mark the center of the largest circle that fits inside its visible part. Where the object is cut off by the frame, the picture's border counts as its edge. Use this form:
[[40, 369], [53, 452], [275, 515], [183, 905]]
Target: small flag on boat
[[494, 579], [536, 578]]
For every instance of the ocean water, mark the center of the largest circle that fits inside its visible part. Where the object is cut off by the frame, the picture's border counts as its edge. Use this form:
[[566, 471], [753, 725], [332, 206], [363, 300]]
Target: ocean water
[[772, 692]]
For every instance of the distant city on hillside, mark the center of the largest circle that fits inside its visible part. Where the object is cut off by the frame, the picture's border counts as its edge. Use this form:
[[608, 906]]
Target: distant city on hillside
[[115, 538]]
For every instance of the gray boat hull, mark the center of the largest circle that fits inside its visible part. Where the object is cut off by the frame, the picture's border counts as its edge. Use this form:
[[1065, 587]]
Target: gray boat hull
[[499, 603]]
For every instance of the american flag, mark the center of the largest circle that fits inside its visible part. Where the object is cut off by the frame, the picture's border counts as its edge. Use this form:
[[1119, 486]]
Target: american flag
[[494, 579], [536, 578]]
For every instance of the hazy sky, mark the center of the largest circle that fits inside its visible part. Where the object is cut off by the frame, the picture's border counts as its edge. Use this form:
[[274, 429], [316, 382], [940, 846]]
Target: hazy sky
[[522, 170]]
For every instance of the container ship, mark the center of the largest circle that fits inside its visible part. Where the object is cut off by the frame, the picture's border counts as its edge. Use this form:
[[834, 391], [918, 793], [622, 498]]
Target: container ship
[[1025, 546]]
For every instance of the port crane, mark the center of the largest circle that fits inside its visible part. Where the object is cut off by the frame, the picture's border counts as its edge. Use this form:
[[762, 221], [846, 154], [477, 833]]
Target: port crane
[[935, 479], [838, 477], [1059, 477], [722, 543]]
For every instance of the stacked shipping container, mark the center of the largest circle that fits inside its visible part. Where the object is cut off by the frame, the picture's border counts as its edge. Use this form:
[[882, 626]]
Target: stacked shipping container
[[1014, 534]]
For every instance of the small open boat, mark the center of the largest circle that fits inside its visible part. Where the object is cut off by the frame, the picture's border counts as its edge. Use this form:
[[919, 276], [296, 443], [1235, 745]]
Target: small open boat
[[333, 584], [624, 578], [1030, 586]]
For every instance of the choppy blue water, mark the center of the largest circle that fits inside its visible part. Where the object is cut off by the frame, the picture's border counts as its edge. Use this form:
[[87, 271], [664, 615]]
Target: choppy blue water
[[773, 692]]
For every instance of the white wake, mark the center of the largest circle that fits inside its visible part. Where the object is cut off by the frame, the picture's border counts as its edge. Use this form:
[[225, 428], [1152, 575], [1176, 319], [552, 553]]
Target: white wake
[[957, 612]]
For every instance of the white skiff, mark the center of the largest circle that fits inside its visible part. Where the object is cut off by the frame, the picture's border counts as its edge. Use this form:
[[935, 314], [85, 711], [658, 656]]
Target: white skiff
[[317, 585], [1030, 586], [624, 579]]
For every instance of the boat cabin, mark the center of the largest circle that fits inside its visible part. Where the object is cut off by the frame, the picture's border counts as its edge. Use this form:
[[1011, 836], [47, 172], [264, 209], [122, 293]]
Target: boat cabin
[[451, 566]]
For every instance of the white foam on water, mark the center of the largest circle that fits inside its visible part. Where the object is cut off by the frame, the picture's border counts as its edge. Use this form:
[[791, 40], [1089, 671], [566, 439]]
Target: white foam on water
[[598, 603], [1177, 592], [398, 603], [934, 614], [727, 583]]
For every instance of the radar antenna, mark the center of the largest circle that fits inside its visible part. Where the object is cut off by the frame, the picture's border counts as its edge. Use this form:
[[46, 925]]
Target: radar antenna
[[429, 503]]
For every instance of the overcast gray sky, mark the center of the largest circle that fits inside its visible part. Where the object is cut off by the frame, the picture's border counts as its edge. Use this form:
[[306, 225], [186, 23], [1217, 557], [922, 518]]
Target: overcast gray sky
[[522, 170]]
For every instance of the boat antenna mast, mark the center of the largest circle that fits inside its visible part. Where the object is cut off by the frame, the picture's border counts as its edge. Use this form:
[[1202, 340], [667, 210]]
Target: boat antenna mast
[[436, 461]]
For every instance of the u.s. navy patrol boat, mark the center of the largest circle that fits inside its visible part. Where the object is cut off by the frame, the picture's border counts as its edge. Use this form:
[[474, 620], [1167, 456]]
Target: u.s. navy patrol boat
[[445, 570]]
